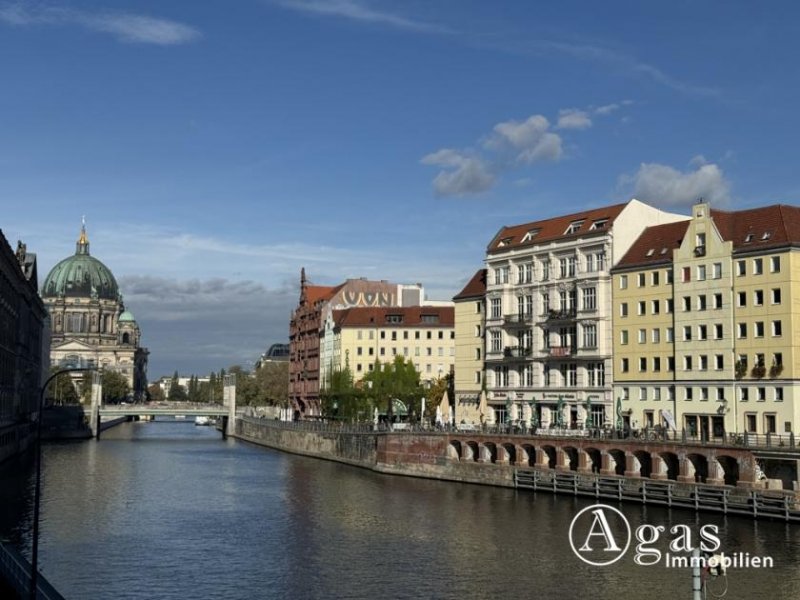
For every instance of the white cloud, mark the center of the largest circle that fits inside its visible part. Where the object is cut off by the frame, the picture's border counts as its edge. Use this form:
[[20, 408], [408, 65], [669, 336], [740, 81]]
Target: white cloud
[[698, 161], [360, 11], [124, 26], [462, 174], [531, 138], [666, 186], [606, 109], [574, 118]]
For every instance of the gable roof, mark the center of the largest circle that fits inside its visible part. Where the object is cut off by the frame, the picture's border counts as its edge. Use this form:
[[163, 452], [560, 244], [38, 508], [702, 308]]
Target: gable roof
[[369, 316], [656, 239], [315, 293], [514, 236], [475, 288]]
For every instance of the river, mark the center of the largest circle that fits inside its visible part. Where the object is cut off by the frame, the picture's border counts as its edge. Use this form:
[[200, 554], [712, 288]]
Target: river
[[168, 510]]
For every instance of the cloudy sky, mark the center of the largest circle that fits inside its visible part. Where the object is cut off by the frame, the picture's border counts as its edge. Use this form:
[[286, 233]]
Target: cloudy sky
[[216, 147]]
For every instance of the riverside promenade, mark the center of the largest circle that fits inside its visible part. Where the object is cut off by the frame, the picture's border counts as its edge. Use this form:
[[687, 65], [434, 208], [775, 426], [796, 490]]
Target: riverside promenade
[[700, 477]]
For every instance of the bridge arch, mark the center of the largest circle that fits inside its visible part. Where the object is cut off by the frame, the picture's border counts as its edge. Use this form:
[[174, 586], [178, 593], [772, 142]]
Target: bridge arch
[[672, 465], [730, 468], [489, 452], [509, 453], [528, 454], [454, 450], [594, 460], [617, 461], [471, 451], [570, 457], [550, 455], [645, 465], [697, 467]]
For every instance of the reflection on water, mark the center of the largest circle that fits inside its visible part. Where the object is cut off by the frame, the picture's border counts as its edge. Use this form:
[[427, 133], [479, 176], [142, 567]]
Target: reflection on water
[[168, 510]]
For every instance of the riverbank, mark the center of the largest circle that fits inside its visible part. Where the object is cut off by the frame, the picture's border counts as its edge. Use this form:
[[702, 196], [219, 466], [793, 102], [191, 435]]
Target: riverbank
[[720, 480]]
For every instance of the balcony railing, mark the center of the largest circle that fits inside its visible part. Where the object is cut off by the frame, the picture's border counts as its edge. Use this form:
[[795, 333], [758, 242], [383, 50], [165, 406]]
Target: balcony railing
[[518, 318], [560, 315], [517, 352], [562, 351]]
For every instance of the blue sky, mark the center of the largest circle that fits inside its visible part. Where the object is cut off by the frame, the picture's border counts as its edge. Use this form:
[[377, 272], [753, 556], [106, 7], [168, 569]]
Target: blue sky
[[216, 147]]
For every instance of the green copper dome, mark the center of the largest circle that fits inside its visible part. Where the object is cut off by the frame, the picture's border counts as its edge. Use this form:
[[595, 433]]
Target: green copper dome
[[81, 276], [126, 317]]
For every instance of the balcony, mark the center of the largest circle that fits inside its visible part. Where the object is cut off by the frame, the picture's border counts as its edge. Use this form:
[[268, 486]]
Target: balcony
[[518, 318], [566, 314], [517, 352], [562, 351]]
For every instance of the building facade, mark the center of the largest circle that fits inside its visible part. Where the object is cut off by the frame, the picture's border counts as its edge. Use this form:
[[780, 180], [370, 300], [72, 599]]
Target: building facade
[[306, 330], [23, 346], [470, 325], [89, 323], [705, 317], [361, 336], [549, 308]]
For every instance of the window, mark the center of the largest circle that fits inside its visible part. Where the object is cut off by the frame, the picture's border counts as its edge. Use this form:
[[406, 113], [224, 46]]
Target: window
[[478, 307], [704, 394], [441, 335], [642, 393], [670, 305], [702, 332], [574, 227], [741, 330], [670, 363], [383, 352], [687, 394], [477, 353], [394, 336], [640, 280], [359, 351], [600, 224], [545, 303], [687, 363], [623, 282], [750, 423], [758, 298], [657, 393], [642, 336], [642, 364], [761, 394], [670, 335], [624, 365], [720, 394], [671, 393], [701, 272], [590, 336], [496, 341], [777, 330], [500, 376], [623, 337], [589, 298], [741, 268], [525, 273], [623, 309], [477, 376], [416, 350], [358, 367], [567, 265], [625, 393], [669, 275], [405, 335], [741, 299], [703, 362], [370, 350], [758, 266], [717, 270], [496, 307], [640, 308], [687, 303], [701, 302], [655, 307], [775, 264], [656, 336], [776, 296], [383, 335], [597, 374], [360, 334], [656, 364], [687, 274], [717, 301], [718, 331], [477, 332], [428, 334], [545, 270], [477, 329], [687, 333], [769, 424], [759, 329], [777, 359], [441, 351], [778, 394]]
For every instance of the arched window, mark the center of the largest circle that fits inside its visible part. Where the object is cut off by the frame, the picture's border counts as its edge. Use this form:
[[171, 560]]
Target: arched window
[[126, 338]]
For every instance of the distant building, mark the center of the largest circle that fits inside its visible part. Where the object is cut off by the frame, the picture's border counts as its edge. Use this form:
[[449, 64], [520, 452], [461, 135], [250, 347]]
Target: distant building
[[89, 323], [357, 337], [470, 325], [275, 353], [315, 305], [23, 346]]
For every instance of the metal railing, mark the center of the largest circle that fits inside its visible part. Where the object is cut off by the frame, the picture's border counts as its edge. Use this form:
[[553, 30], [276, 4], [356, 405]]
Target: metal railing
[[16, 571]]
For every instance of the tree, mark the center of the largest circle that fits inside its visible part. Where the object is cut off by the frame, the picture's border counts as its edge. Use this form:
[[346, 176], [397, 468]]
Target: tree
[[433, 395], [246, 387], [155, 393], [61, 390], [341, 399], [272, 379], [397, 380], [177, 393], [115, 386]]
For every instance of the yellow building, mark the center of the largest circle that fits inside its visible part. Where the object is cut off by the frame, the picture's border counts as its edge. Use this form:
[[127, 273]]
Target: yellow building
[[708, 344], [470, 320], [356, 337]]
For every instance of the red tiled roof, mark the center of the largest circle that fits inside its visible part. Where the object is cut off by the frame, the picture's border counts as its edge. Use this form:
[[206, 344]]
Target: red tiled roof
[[552, 229], [315, 293], [656, 238], [367, 316], [475, 288], [780, 222]]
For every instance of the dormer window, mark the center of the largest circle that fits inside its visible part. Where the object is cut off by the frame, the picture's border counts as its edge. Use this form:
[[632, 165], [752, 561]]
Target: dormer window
[[663, 251], [749, 238], [394, 318], [530, 235], [600, 224], [767, 235], [574, 227], [504, 242], [650, 252]]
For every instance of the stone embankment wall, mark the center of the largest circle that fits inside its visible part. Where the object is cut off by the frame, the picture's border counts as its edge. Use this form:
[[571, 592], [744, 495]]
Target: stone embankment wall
[[411, 454]]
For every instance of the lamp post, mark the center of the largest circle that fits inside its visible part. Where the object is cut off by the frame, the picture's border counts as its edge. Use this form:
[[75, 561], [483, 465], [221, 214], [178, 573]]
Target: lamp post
[[37, 494]]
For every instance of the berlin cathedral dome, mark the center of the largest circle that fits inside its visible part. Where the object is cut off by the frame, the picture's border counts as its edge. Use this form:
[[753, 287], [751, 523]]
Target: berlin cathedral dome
[[88, 320]]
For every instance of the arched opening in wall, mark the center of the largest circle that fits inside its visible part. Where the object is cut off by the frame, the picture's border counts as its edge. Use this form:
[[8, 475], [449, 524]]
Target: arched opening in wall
[[572, 457], [454, 450], [550, 452], [472, 451], [700, 464], [673, 465], [511, 453], [618, 457], [126, 338], [490, 451], [730, 466], [529, 456], [645, 463], [594, 460]]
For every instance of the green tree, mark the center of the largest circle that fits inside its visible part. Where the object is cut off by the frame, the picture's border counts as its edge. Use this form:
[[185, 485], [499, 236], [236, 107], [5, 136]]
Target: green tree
[[176, 393], [115, 386], [155, 392], [397, 380], [342, 399], [246, 387], [434, 393], [272, 379], [61, 390]]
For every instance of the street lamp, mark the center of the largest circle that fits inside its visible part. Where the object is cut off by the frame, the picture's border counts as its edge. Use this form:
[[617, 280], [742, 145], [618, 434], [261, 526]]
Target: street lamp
[[38, 488]]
